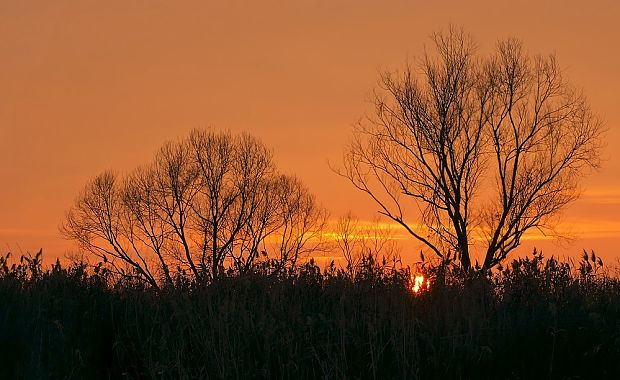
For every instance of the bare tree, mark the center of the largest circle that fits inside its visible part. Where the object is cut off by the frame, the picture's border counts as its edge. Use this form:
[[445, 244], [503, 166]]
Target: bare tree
[[363, 244], [301, 221], [460, 121], [206, 203]]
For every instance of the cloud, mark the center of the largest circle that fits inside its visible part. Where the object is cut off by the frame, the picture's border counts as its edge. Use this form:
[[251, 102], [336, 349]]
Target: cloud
[[603, 195]]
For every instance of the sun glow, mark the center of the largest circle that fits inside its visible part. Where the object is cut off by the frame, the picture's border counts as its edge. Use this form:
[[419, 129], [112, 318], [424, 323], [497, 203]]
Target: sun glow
[[418, 284]]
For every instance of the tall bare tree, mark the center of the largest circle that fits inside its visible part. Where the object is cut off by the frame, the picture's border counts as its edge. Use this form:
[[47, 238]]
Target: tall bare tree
[[206, 203], [440, 131]]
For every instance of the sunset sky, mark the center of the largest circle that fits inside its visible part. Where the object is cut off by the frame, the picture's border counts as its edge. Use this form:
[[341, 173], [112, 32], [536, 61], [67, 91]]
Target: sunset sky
[[87, 86]]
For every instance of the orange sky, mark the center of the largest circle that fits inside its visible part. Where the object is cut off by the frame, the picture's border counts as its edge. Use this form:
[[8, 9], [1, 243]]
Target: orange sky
[[92, 85]]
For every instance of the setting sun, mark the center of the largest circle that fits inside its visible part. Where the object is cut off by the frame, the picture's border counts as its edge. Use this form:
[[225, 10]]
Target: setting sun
[[418, 284]]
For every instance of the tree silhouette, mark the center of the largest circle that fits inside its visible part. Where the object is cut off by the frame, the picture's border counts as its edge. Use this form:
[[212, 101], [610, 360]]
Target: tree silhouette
[[209, 202], [484, 148], [365, 246]]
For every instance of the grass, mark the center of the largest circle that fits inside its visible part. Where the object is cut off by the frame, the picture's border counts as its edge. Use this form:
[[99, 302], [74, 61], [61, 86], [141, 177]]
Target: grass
[[536, 318]]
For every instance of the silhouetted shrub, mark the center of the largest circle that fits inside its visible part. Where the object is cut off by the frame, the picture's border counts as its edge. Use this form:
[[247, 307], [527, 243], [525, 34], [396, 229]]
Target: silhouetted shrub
[[534, 318]]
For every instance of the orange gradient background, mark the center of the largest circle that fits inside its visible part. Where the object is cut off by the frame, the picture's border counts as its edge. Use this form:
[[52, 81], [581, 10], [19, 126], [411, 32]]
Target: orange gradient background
[[87, 86]]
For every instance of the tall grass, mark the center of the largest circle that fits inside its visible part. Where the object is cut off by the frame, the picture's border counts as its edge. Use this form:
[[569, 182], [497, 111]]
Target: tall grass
[[535, 318]]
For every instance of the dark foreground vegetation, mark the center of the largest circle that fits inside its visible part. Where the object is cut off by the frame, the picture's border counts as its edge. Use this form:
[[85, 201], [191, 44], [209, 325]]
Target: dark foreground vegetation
[[537, 318]]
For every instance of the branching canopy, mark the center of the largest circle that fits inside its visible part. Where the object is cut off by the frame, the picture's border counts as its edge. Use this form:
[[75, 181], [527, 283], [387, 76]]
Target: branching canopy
[[486, 148], [211, 202]]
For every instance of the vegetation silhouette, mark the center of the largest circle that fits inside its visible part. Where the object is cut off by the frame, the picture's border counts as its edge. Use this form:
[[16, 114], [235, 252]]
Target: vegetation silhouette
[[534, 318]]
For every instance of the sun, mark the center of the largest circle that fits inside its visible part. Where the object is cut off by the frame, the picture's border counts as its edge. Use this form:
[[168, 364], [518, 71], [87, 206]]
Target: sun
[[418, 284]]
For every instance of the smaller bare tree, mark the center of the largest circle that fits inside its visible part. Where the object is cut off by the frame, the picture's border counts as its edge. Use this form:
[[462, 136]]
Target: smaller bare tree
[[301, 221], [208, 203], [363, 244]]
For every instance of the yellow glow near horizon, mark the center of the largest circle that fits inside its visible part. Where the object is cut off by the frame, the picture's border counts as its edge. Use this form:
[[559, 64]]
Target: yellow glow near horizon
[[581, 228]]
